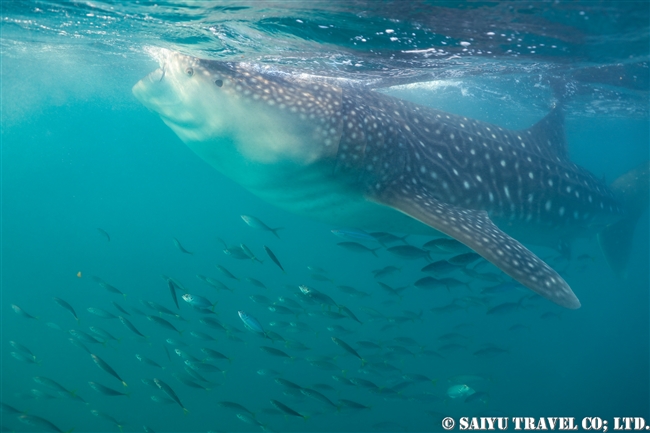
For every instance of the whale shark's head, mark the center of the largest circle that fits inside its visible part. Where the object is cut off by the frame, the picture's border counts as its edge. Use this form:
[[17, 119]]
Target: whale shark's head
[[224, 108]]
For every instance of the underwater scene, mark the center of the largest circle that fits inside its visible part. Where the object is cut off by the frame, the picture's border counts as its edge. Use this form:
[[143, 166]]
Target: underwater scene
[[324, 216]]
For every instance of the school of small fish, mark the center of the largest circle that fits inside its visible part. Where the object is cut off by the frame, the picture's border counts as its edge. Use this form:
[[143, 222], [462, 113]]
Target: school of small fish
[[356, 344]]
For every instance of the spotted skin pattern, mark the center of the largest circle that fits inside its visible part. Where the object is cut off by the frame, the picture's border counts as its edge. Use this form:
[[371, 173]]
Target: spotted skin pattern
[[450, 172], [454, 174], [467, 163], [474, 229]]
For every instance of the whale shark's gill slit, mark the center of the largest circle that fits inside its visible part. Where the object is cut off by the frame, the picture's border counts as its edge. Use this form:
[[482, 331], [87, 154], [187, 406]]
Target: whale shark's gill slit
[[476, 230]]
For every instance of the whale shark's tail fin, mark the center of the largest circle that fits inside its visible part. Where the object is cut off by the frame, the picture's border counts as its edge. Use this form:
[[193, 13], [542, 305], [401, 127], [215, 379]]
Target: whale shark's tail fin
[[633, 190]]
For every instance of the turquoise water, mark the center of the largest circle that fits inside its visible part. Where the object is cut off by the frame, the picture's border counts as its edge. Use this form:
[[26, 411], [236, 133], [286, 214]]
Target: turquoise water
[[79, 153]]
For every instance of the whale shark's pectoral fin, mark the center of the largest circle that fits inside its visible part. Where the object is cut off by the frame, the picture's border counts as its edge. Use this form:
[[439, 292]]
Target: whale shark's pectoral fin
[[476, 230]]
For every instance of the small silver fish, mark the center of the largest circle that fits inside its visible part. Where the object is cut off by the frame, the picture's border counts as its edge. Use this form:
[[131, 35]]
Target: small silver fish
[[312, 393], [234, 406], [459, 391], [273, 257], [409, 252], [249, 253], [257, 224], [248, 418], [348, 349], [226, 272], [358, 248], [199, 302], [164, 323], [106, 390], [251, 323], [101, 313], [129, 325], [256, 283], [170, 392], [104, 285], [40, 423], [22, 357], [102, 333], [107, 368], [286, 409], [22, 312], [67, 306], [23, 349], [148, 361], [180, 247], [104, 233], [464, 259], [354, 235]]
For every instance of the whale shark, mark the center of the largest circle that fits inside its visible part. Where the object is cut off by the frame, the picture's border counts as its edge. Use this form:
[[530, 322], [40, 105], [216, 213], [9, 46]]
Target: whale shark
[[353, 156]]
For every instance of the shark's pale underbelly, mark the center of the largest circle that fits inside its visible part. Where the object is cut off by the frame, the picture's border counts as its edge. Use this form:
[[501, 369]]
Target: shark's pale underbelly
[[312, 191], [343, 210]]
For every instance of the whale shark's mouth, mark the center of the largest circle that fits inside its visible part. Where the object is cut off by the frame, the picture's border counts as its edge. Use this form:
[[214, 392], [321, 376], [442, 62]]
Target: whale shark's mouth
[[178, 96], [265, 117]]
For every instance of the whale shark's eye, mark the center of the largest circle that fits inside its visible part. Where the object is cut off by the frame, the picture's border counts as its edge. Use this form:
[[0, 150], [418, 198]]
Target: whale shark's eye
[[219, 83], [189, 72]]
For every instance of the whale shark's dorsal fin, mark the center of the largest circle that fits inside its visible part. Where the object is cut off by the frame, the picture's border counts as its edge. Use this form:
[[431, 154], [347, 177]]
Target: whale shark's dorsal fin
[[475, 229], [549, 135]]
